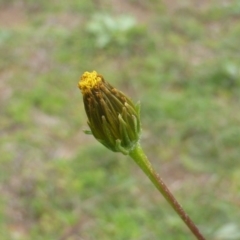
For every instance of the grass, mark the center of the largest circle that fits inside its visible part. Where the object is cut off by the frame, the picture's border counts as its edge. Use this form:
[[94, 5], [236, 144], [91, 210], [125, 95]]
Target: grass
[[180, 60]]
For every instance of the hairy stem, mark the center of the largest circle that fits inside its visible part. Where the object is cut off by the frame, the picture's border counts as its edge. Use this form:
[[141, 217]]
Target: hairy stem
[[141, 159]]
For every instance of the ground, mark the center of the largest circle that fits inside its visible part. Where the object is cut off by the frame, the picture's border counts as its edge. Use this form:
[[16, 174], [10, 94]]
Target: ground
[[181, 60]]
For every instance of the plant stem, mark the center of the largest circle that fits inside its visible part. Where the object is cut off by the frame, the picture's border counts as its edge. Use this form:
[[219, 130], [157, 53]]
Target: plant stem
[[141, 159]]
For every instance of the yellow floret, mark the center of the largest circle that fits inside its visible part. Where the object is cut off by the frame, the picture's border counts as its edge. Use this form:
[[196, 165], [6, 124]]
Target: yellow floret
[[88, 81]]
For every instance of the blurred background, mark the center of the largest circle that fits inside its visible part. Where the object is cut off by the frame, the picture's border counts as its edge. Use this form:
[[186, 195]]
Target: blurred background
[[181, 59]]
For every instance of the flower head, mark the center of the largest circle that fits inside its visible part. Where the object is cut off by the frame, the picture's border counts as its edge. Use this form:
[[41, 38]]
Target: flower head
[[112, 117]]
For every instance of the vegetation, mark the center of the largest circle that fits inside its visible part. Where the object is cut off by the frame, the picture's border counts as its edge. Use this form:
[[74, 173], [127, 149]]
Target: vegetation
[[181, 60]]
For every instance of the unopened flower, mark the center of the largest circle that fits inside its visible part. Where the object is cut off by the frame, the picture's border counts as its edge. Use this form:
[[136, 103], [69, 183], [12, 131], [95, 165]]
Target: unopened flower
[[112, 117], [114, 121]]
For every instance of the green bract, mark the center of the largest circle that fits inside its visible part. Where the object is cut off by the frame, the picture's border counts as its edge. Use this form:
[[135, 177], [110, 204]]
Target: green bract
[[112, 117]]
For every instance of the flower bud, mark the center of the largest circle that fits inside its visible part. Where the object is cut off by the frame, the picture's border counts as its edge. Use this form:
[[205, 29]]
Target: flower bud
[[112, 117]]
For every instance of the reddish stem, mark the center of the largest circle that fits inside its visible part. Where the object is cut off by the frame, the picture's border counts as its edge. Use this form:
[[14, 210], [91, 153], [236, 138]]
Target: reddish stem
[[141, 159]]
